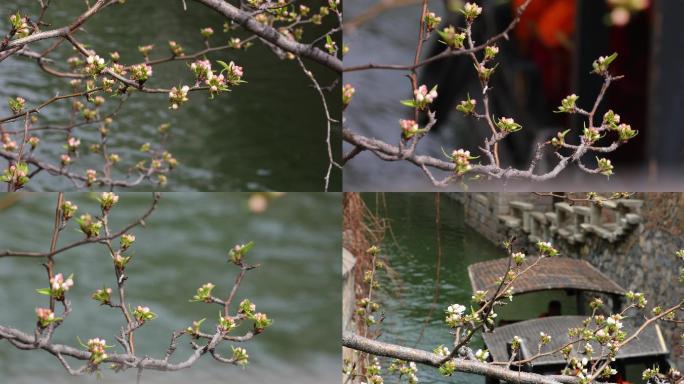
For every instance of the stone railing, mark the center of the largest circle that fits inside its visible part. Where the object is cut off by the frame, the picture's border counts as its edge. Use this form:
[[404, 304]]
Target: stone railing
[[573, 223]]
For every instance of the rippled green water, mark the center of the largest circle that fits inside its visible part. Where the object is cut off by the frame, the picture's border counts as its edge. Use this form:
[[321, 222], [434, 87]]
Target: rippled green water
[[267, 134], [408, 291], [184, 245]]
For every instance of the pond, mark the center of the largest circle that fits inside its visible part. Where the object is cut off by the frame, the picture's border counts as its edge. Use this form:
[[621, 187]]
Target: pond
[[408, 292], [267, 134], [184, 246]]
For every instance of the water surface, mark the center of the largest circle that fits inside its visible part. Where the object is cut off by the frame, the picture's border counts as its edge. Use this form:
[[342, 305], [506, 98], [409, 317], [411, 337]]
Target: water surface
[[184, 246], [267, 134]]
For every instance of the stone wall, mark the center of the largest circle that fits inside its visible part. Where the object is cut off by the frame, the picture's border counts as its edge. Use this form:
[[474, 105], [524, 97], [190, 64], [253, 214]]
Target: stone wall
[[631, 241], [483, 210], [645, 260]]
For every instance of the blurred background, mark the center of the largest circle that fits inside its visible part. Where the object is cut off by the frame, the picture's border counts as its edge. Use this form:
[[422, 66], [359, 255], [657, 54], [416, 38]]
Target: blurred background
[[185, 245], [548, 57], [267, 134]]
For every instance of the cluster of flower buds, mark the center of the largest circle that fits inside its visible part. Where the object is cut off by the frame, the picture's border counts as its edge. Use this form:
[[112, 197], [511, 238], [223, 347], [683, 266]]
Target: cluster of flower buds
[[365, 306], [578, 367], [126, 241], [451, 38], [240, 356], [611, 119], [107, 200], [91, 177], [178, 96], [141, 72], [347, 94], [58, 286], [614, 323], [568, 104], [20, 25], [408, 370], [601, 64], [449, 367], [625, 132], [90, 226], [201, 69], [516, 343], [605, 167], [204, 293], [422, 97], [16, 104], [97, 347], [233, 72], [206, 32], [46, 317], [637, 299], [195, 329], [484, 72], [236, 43], [238, 252], [119, 69], [518, 258], [145, 49], [467, 107], [461, 159], [216, 83], [471, 11], [409, 129], [596, 303], [330, 45], [94, 65], [490, 52], [16, 174], [482, 355], [546, 249], [102, 295], [176, 49], [143, 314], [120, 261], [559, 140], [479, 297], [591, 135], [431, 21], [374, 368], [261, 321], [89, 114], [373, 250], [7, 143], [454, 315], [226, 323], [544, 338], [508, 125], [247, 308], [68, 210], [650, 373]]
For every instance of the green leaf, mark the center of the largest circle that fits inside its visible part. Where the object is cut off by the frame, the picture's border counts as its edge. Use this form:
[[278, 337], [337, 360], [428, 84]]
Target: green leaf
[[610, 59], [446, 154], [409, 103], [247, 247], [44, 291], [225, 66]]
